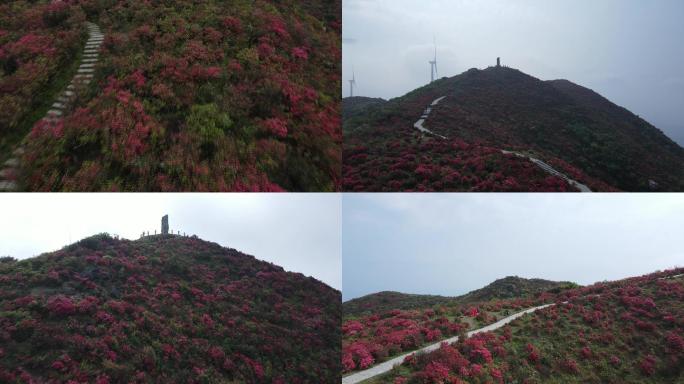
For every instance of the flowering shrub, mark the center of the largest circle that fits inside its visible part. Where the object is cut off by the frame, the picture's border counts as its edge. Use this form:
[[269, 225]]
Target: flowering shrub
[[164, 309], [209, 96]]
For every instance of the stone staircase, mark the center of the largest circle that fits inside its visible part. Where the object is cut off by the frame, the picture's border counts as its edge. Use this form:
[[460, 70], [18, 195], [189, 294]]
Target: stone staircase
[[10, 170]]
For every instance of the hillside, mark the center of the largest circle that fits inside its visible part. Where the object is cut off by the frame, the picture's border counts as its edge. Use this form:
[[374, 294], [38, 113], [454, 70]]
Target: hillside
[[627, 331], [164, 309], [185, 96], [380, 326], [576, 131], [506, 288]]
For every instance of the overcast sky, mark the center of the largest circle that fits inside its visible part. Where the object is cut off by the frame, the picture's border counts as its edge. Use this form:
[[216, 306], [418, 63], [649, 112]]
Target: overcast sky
[[450, 244], [629, 51], [299, 232]]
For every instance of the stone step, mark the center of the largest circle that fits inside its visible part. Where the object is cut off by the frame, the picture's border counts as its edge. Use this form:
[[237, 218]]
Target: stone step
[[19, 151], [54, 112], [58, 105], [51, 119], [8, 186], [11, 163], [87, 65]]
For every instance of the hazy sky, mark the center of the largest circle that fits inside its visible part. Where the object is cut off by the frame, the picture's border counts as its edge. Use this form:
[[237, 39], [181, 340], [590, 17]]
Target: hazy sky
[[629, 51], [450, 244], [300, 232]]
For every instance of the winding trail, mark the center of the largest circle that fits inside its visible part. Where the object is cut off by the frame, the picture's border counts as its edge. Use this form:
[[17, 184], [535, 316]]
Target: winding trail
[[12, 167], [549, 169], [419, 125], [389, 364]]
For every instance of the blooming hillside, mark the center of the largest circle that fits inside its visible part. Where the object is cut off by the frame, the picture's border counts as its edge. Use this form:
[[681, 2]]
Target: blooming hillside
[[628, 331], [571, 128], [37, 42], [163, 309], [211, 95], [372, 333]]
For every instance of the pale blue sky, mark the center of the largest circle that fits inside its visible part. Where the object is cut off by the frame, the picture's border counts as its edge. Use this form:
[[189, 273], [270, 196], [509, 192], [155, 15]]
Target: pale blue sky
[[450, 244], [629, 51], [299, 232]]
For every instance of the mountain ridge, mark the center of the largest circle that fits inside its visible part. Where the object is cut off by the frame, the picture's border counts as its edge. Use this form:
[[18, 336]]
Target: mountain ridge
[[503, 288]]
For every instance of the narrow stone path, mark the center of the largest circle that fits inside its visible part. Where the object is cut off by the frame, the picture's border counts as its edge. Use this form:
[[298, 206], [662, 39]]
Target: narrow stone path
[[389, 364], [419, 124], [549, 169], [10, 170]]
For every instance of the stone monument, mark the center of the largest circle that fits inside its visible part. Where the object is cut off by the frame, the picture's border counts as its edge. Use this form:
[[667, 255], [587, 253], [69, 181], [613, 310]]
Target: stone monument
[[165, 225]]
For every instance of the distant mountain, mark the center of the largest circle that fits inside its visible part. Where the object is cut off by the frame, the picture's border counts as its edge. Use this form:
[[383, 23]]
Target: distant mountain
[[580, 134], [387, 301], [506, 288], [512, 287], [164, 309]]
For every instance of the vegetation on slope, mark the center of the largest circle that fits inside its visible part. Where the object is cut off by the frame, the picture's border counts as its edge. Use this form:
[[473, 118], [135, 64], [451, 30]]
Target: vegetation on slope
[[211, 95], [164, 309], [417, 320], [387, 301], [506, 288], [628, 331], [353, 106], [575, 130], [37, 43]]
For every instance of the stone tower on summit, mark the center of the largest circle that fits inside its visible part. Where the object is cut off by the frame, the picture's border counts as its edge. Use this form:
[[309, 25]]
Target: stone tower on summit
[[165, 225]]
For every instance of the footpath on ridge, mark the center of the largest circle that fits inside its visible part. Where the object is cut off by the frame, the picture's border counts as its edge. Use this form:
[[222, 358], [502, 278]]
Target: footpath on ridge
[[11, 169], [419, 125]]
